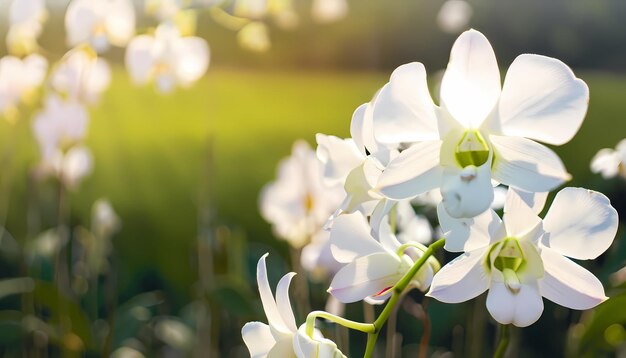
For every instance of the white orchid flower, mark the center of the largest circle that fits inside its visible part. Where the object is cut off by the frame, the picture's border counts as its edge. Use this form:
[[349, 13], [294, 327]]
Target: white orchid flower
[[26, 18], [482, 132], [299, 202], [372, 267], [71, 166], [523, 258], [167, 58], [280, 337], [19, 80], [454, 16], [610, 162], [326, 11], [104, 219], [61, 124], [100, 23], [81, 75], [357, 163]]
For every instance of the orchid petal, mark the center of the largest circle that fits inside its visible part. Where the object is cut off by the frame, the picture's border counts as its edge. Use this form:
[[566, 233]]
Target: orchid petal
[[404, 110], [569, 284], [350, 238], [274, 317], [581, 223], [520, 309], [543, 100], [470, 233], [606, 162], [415, 171], [461, 279], [283, 303], [366, 276], [536, 201], [467, 192], [470, 87], [526, 164], [258, 338], [339, 156], [519, 218], [283, 348]]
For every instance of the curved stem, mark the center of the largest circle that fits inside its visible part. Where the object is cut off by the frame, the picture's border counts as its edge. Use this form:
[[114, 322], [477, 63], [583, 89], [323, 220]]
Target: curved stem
[[403, 247], [397, 291], [504, 341], [310, 322]]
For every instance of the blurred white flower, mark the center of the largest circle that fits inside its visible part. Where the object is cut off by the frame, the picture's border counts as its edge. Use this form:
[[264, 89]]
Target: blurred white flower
[[104, 219], [281, 337], [411, 226], [71, 166], [299, 202], [26, 18], [326, 11], [372, 267], [175, 333], [81, 75], [251, 9], [483, 131], [167, 58], [162, 9], [254, 37], [317, 259], [610, 162], [126, 352], [19, 80], [100, 23], [454, 16], [523, 258], [59, 125]]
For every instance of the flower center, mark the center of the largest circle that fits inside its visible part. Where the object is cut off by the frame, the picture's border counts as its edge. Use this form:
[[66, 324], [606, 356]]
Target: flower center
[[472, 149], [308, 202], [510, 261]]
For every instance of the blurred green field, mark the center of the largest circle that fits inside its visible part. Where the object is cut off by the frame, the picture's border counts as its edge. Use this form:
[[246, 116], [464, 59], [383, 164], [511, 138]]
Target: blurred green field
[[151, 157]]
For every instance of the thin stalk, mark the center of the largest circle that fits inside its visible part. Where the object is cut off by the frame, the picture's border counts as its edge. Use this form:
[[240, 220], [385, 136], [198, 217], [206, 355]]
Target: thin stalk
[[301, 286], [391, 329], [504, 341], [427, 330], [395, 296], [310, 322]]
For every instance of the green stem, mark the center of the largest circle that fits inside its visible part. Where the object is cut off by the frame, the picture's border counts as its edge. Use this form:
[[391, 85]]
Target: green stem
[[504, 341], [310, 322], [403, 247], [395, 296]]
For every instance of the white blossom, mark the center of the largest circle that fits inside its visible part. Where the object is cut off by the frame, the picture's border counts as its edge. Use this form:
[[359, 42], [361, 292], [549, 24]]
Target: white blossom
[[521, 258], [167, 58], [483, 133]]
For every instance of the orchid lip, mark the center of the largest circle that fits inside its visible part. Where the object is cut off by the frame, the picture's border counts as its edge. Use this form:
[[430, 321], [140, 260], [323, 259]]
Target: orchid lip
[[472, 149]]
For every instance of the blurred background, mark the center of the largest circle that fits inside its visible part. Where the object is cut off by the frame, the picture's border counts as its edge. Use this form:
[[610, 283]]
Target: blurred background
[[184, 171]]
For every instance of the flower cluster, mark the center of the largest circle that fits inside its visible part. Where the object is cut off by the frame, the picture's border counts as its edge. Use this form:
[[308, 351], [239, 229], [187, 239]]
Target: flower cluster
[[475, 152]]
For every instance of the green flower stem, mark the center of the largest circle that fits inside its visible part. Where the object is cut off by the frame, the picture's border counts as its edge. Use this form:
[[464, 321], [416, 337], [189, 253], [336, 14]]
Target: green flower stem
[[395, 296], [504, 341], [403, 248], [310, 322]]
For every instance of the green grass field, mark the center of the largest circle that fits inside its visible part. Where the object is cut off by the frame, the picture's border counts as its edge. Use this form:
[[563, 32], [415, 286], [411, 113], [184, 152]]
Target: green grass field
[[151, 156]]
